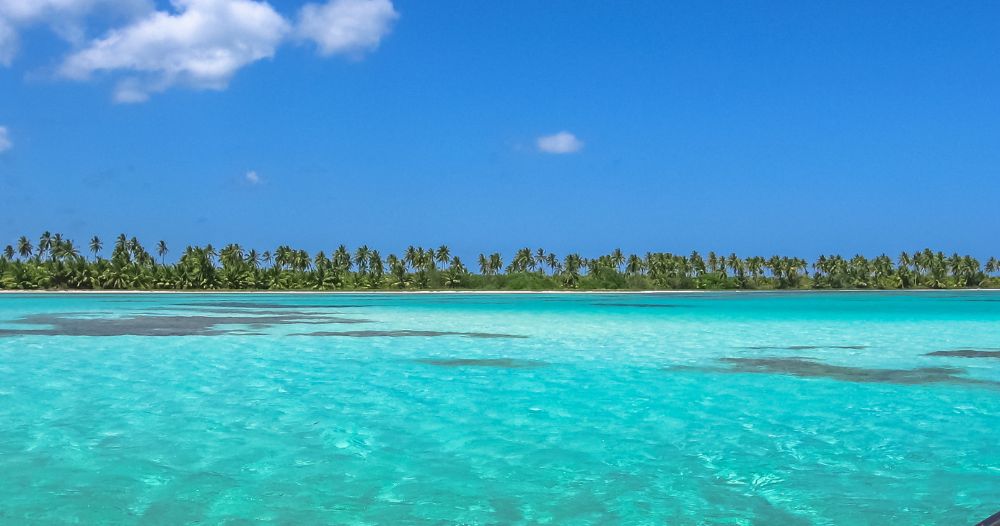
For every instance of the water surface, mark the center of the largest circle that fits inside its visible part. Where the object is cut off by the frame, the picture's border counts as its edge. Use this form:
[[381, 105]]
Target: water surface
[[717, 408]]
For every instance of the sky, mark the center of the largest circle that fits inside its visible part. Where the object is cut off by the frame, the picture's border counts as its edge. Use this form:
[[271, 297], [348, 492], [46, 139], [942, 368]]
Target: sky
[[795, 128]]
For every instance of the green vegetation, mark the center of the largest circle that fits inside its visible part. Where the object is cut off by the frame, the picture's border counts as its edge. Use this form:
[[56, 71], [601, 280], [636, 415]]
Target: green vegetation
[[56, 263]]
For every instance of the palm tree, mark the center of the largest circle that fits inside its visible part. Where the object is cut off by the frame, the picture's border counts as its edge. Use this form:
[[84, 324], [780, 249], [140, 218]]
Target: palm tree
[[425, 259], [231, 255], [496, 263], [44, 244], [301, 259], [992, 265], [24, 248], [121, 244], [161, 249], [95, 246], [410, 257], [341, 259], [56, 245], [522, 262], [253, 259], [572, 264], [553, 262], [210, 252], [62, 249], [713, 262], [634, 266], [697, 264], [282, 257], [361, 258], [617, 259], [456, 273], [443, 254], [377, 269], [397, 268]]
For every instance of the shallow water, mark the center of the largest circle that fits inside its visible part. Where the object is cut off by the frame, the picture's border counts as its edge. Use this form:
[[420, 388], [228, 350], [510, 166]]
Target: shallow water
[[718, 408]]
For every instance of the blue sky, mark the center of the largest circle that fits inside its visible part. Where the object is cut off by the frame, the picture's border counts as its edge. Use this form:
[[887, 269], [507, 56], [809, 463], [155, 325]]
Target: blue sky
[[757, 127]]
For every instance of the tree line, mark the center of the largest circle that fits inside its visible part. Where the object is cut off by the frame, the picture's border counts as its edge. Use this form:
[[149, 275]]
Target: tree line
[[55, 262]]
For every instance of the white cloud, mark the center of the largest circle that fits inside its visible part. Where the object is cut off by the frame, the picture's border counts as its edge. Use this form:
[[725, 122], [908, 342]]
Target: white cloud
[[27, 11], [562, 142], [252, 177], [8, 43], [65, 17], [5, 143], [349, 27], [201, 46]]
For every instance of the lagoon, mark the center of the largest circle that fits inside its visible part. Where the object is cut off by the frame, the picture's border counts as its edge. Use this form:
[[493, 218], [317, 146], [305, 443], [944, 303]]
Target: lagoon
[[681, 408]]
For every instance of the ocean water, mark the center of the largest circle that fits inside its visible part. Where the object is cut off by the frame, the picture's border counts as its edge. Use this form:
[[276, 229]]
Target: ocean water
[[715, 408]]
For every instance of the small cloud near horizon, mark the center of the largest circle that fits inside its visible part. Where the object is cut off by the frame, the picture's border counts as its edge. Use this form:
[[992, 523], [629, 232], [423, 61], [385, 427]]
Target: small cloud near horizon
[[559, 143], [5, 142], [253, 178]]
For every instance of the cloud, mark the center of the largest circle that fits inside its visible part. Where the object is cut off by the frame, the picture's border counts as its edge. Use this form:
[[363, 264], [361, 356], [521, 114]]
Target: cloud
[[8, 43], [5, 143], [559, 143], [27, 11], [252, 177], [64, 17], [349, 27], [201, 46], [197, 44]]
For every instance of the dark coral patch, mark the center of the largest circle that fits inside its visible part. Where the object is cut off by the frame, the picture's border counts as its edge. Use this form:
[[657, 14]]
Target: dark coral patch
[[263, 305], [813, 369], [149, 325], [966, 353], [240, 311], [809, 368]]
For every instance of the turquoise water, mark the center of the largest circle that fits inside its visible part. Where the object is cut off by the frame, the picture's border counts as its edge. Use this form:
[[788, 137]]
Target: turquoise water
[[718, 408]]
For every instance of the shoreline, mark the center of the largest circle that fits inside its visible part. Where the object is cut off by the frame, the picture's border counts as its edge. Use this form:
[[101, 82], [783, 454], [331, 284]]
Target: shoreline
[[505, 292]]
